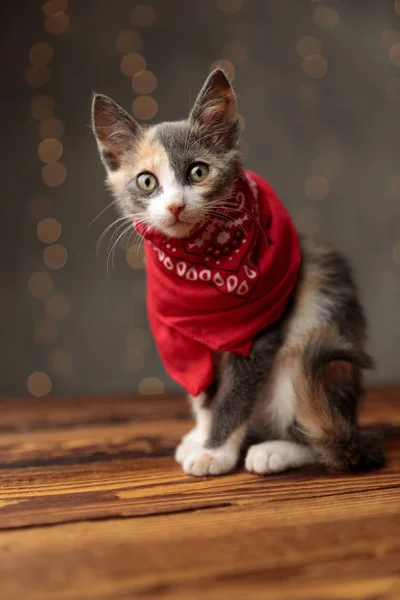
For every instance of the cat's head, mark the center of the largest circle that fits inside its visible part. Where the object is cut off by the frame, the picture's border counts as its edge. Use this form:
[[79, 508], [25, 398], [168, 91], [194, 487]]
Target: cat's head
[[170, 176]]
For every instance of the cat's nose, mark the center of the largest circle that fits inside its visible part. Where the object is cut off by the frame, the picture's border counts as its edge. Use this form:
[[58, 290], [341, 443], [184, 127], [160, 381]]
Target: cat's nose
[[176, 209]]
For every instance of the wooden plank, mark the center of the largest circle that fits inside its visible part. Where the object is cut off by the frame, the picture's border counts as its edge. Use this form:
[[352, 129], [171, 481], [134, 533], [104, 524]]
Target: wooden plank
[[346, 548], [59, 474]]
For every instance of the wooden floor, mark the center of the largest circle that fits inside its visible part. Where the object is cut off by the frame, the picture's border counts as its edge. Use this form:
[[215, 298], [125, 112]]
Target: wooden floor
[[93, 506]]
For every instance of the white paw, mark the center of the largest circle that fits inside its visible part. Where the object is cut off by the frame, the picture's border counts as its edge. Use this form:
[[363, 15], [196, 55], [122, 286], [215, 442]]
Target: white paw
[[187, 445], [277, 456], [201, 462]]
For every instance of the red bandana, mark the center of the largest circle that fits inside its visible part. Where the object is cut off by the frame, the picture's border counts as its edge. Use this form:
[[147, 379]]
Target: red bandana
[[215, 290]]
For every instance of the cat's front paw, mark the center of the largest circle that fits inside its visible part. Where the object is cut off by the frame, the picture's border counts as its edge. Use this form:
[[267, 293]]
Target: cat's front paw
[[277, 456], [187, 445], [201, 462]]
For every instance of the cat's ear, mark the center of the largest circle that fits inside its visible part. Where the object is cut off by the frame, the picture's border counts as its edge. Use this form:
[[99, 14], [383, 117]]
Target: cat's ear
[[215, 105], [115, 130]]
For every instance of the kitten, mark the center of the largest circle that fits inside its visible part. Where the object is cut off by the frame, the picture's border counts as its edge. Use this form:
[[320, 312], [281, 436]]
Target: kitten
[[291, 378]]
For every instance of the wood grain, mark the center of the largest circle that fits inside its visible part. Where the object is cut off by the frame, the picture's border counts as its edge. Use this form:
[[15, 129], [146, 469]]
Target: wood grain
[[93, 506]]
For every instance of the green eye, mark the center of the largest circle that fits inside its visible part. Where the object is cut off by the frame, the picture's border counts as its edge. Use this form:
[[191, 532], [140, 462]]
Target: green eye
[[146, 182], [198, 172]]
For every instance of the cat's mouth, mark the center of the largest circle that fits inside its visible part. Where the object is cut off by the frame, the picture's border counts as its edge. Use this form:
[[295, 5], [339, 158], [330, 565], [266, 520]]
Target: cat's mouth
[[179, 227]]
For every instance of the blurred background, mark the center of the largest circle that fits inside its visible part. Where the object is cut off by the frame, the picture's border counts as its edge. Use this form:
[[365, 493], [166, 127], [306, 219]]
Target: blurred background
[[319, 93]]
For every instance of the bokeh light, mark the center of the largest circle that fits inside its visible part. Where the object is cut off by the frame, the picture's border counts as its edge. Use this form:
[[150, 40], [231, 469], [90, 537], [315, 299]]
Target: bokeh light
[[142, 15], [316, 187], [325, 17], [48, 230], [51, 127], [144, 107], [389, 37], [144, 82], [394, 186], [55, 256], [132, 63], [52, 7], [150, 386], [41, 54], [315, 65], [131, 360], [37, 76], [323, 166], [308, 45], [394, 54], [40, 284], [57, 24], [54, 174], [39, 384], [50, 150], [57, 307]]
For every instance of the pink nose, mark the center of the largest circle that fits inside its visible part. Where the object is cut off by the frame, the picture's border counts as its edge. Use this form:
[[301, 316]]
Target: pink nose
[[176, 209]]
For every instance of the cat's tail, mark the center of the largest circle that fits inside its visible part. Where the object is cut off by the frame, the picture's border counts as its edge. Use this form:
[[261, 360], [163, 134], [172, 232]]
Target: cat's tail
[[328, 387]]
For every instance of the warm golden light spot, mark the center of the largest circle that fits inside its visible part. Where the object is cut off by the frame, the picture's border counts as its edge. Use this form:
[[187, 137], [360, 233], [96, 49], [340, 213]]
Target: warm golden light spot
[[396, 253], [235, 52], [142, 15], [45, 331], [307, 220], [41, 54], [132, 63], [50, 150], [48, 230], [397, 7], [144, 82], [51, 127], [135, 256], [128, 40], [55, 256], [230, 6], [57, 24], [389, 37], [54, 174], [317, 187], [60, 361], [38, 384], [392, 89], [40, 284], [144, 107], [139, 339], [131, 360], [323, 166], [308, 45], [325, 17], [394, 54], [40, 207], [315, 66], [226, 66], [53, 7], [309, 96], [139, 290], [57, 307], [37, 76], [150, 386], [394, 186], [42, 107]]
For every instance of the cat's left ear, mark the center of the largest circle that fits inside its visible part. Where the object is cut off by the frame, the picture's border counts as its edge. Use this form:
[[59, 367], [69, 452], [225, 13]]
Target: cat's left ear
[[215, 106]]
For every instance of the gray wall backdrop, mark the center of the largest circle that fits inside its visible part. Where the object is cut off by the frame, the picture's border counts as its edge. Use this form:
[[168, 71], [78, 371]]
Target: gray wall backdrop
[[319, 91]]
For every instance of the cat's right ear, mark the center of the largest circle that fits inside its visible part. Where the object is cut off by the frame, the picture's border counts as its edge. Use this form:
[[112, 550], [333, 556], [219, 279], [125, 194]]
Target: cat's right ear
[[115, 130]]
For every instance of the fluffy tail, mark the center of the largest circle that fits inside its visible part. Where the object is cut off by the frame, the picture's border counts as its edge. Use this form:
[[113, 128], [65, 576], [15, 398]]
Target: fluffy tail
[[329, 387]]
